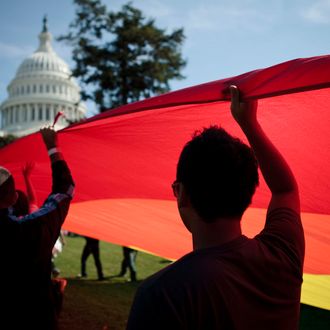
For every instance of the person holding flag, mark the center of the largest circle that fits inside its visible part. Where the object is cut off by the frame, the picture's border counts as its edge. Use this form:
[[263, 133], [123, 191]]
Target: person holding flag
[[26, 244], [229, 281]]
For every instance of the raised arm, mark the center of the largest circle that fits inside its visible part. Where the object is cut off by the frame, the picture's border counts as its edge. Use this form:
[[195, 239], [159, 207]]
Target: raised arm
[[31, 194], [274, 168], [50, 139], [62, 180]]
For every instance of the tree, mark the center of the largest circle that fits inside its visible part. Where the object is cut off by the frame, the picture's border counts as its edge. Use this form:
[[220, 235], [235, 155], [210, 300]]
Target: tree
[[7, 139], [122, 57]]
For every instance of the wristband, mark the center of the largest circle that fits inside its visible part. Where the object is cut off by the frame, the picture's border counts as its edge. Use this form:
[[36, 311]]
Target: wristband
[[53, 151]]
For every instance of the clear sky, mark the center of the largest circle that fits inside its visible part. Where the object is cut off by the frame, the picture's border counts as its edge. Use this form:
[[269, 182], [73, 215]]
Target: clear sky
[[223, 37]]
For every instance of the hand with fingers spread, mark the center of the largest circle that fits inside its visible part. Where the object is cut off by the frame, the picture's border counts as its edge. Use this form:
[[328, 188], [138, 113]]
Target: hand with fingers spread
[[27, 169]]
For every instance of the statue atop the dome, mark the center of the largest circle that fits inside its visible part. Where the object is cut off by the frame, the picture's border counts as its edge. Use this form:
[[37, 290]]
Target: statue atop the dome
[[45, 38], [44, 24]]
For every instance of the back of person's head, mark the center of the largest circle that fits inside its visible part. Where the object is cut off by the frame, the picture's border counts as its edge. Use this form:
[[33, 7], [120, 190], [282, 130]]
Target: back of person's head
[[219, 174], [8, 194], [21, 207]]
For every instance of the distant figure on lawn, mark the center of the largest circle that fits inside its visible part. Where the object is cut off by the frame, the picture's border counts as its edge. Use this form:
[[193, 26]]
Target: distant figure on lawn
[[91, 247], [26, 244], [229, 281], [129, 257]]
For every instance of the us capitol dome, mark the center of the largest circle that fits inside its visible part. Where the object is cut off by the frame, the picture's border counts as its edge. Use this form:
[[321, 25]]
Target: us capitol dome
[[42, 87]]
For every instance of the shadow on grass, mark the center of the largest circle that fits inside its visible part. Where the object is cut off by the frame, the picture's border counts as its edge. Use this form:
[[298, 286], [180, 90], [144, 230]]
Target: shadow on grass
[[93, 304]]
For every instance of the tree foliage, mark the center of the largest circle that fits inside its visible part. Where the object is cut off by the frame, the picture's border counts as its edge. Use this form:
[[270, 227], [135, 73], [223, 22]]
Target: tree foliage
[[121, 57], [7, 139]]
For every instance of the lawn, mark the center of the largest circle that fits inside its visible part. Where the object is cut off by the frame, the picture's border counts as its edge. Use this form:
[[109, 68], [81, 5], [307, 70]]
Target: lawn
[[93, 305]]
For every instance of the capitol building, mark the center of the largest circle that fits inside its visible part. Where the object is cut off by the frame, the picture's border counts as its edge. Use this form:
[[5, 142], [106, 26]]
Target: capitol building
[[42, 87]]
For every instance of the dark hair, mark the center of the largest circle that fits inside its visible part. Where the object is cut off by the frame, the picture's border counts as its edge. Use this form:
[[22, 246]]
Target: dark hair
[[21, 207], [219, 173]]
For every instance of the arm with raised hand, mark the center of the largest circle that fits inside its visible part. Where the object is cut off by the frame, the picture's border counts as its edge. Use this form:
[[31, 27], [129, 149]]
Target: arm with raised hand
[[31, 194], [51, 142], [62, 180], [274, 168]]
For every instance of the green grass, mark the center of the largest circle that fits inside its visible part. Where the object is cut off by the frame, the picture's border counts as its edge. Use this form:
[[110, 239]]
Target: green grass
[[92, 305]]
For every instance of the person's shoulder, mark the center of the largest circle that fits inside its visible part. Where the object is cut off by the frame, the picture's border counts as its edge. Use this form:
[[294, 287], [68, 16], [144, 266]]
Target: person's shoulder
[[283, 212], [284, 233], [190, 268], [283, 222], [199, 266], [171, 274]]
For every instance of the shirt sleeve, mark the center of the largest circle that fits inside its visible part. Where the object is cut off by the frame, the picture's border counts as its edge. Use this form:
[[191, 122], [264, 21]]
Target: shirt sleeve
[[62, 179], [52, 213], [284, 230]]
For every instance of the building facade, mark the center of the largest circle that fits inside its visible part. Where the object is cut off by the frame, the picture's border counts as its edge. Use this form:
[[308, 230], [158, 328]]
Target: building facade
[[42, 87]]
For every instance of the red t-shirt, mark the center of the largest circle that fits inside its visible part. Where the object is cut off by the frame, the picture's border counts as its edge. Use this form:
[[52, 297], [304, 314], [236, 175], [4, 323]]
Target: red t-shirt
[[244, 284]]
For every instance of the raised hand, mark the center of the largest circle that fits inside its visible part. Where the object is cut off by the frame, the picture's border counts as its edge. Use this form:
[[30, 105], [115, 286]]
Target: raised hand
[[245, 112], [49, 137], [27, 169]]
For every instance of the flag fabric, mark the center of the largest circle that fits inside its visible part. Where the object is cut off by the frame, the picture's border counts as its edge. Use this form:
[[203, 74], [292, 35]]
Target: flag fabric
[[124, 162]]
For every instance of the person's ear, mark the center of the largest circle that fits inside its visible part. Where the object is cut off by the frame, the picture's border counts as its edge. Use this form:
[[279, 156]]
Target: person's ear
[[184, 206], [183, 198]]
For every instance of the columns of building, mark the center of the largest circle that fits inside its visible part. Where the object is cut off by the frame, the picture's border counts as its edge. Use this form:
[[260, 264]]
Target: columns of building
[[36, 112]]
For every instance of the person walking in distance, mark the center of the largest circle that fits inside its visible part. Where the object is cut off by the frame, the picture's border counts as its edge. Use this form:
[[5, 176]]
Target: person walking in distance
[[91, 247], [128, 262]]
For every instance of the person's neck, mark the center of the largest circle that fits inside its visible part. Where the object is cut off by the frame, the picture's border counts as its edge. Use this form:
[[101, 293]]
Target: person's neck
[[216, 233]]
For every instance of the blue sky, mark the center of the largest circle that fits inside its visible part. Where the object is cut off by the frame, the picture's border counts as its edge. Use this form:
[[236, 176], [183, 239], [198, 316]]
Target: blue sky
[[223, 38]]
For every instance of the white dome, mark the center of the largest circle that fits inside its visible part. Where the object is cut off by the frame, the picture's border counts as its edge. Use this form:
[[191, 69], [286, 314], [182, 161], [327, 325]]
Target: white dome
[[43, 85], [43, 62]]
